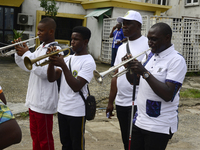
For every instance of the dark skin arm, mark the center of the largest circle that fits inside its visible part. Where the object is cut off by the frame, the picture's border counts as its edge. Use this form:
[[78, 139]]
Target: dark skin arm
[[124, 40], [76, 84], [118, 42], [113, 29], [163, 90], [113, 93], [3, 98]]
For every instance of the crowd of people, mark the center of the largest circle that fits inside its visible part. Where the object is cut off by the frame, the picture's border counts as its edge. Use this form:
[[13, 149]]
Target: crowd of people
[[151, 84]]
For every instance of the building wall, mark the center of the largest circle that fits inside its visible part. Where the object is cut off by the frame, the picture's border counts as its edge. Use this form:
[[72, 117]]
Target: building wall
[[96, 26], [122, 11], [30, 7], [179, 9], [95, 41]]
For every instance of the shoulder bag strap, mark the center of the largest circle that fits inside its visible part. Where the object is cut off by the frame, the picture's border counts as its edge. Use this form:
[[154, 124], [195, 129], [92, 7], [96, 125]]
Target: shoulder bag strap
[[80, 92], [127, 48]]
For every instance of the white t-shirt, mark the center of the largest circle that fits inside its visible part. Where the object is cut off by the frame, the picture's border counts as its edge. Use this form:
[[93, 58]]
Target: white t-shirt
[[124, 88], [70, 102], [154, 114]]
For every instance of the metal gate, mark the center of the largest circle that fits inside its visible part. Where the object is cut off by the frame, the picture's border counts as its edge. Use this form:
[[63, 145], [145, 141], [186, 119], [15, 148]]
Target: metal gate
[[185, 37]]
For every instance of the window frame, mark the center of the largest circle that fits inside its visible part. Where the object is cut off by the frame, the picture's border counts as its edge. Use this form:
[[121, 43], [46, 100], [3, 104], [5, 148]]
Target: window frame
[[192, 3], [3, 30]]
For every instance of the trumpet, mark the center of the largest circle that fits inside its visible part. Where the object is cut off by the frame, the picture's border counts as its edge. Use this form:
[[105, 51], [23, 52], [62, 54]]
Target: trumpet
[[14, 51], [29, 62], [12, 45], [99, 76]]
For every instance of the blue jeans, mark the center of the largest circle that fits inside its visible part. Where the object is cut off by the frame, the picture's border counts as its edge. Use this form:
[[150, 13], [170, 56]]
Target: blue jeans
[[114, 53]]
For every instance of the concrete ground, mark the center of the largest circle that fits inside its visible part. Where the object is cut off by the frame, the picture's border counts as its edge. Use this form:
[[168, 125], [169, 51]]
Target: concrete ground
[[104, 134], [101, 133]]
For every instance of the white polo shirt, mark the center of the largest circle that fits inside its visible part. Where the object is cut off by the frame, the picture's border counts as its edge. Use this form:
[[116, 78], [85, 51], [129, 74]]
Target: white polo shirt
[[154, 114]]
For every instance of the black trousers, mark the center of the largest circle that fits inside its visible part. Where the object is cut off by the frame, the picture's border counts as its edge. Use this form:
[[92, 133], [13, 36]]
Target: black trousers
[[146, 140], [124, 117], [72, 130]]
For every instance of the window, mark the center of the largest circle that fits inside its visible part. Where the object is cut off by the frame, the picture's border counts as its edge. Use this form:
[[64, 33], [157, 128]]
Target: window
[[6, 26], [159, 2], [191, 2], [64, 27], [8, 23]]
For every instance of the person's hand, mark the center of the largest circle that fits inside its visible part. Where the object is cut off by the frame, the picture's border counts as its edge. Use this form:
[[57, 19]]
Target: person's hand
[[114, 27], [21, 48], [126, 57], [56, 59], [118, 42], [136, 66], [109, 111], [51, 49]]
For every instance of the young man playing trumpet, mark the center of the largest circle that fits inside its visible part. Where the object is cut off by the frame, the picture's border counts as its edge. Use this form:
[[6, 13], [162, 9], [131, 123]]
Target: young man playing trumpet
[[42, 96], [76, 71]]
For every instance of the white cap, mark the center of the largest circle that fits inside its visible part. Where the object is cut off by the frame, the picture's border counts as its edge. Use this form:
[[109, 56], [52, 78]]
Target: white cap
[[131, 15]]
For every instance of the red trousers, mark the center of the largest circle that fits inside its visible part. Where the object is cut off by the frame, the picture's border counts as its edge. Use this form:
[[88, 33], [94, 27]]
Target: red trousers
[[41, 126]]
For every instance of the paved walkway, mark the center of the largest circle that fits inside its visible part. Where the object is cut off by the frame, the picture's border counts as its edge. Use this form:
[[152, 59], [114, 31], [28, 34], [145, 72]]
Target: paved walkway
[[103, 133]]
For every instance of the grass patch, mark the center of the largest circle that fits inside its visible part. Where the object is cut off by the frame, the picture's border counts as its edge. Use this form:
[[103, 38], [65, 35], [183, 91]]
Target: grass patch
[[24, 115], [192, 74], [190, 93]]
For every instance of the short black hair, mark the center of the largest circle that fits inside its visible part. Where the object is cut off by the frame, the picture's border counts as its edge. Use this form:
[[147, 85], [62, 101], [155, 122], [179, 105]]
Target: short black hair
[[50, 22], [164, 28], [84, 31]]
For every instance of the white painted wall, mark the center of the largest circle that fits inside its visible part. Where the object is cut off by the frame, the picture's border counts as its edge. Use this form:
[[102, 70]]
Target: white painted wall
[[179, 9], [96, 35], [122, 11]]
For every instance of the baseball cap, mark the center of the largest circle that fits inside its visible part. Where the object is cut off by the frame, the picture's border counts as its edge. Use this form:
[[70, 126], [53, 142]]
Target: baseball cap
[[131, 15]]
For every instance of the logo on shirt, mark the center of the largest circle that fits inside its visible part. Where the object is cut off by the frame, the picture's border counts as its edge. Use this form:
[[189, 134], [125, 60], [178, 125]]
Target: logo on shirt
[[75, 73]]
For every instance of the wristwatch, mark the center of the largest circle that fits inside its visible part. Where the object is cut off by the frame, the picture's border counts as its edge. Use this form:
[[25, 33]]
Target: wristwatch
[[146, 75]]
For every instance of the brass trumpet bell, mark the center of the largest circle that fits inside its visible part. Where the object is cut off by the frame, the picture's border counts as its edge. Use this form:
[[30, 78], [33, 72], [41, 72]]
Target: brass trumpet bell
[[29, 62], [98, 77]]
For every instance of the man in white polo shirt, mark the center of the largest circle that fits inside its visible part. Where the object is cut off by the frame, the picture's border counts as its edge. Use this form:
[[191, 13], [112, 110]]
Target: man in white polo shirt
[[161, 78]]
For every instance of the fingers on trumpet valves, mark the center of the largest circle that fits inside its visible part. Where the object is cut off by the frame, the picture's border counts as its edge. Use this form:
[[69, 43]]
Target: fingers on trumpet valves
[[125, 57], [51, 49]]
